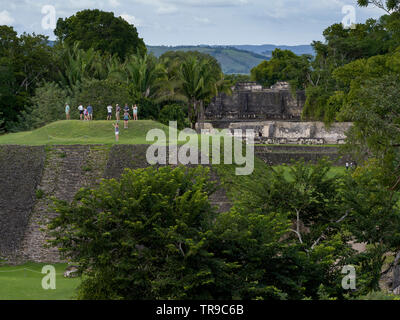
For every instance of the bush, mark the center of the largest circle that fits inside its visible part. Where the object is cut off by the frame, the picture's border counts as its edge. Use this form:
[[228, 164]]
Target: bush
[[174, 112]]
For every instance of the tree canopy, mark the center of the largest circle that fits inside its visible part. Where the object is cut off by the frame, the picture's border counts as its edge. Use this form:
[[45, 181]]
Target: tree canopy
[[100, 31], [283, 66]]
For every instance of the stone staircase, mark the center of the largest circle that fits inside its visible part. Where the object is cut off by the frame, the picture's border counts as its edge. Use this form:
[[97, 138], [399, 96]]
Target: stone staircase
[[67, 169]]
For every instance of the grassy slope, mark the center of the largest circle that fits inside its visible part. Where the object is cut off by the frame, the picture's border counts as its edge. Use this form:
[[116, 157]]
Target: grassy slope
[[83, 132], [19, 284]]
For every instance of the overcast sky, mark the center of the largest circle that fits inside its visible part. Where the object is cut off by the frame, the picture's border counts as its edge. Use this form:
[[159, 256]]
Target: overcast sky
[[192, 22]]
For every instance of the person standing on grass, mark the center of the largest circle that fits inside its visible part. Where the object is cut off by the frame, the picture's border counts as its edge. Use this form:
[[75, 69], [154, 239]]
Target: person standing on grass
[[67, 110], [90, 112], [117, 112], [135, 112], [109, 112], [80, 108], [86, 114], [127, 116], [126, 108], [116, 126]]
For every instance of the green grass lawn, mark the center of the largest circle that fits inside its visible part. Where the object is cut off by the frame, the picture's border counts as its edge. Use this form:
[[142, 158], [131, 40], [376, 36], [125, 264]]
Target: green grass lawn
[[84, 132], [24, 282]]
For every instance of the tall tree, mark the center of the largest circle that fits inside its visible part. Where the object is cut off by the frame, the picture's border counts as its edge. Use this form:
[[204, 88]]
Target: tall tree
[[199, 83], [284, 66], [145, 74], [101, 31], [25, 61]]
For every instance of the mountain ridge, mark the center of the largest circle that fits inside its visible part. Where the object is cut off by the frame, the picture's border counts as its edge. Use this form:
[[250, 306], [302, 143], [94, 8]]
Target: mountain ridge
[[234, 59]]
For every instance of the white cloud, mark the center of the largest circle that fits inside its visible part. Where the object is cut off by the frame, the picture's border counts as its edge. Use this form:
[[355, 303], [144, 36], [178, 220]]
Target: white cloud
[[6, 18], [131, 19]]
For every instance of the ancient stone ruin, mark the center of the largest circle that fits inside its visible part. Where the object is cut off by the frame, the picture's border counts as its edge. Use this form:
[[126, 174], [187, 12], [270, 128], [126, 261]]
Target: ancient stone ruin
[[273, 116], [250, 101]]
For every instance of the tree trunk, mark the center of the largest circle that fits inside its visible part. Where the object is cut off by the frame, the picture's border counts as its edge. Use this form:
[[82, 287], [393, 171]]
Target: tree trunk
[[201, 115], [191, 111], [194, 114]]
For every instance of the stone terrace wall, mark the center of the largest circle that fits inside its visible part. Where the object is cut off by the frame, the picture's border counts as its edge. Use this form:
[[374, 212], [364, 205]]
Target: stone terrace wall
[[20, 172], [288, 132], [68, 168], [266, 104]]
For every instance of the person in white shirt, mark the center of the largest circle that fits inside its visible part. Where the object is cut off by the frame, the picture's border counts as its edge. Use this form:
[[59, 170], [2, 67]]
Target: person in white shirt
[[109, 112], [80, 108]]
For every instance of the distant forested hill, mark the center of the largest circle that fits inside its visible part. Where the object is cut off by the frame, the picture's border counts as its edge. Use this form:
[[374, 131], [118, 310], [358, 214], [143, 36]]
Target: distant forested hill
[[266, 49], [234, 59]]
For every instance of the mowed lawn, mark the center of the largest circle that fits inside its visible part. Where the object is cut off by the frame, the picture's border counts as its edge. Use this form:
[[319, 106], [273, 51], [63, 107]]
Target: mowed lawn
[[24, 282], [84, 132]]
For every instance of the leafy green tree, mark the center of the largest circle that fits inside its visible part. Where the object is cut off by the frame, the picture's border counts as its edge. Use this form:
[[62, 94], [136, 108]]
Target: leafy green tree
[[372, 106], [143, 237], [314, 248], [101, 31], [326, 214], [343, 46], [283, 66], [374, 219], [25, 61]]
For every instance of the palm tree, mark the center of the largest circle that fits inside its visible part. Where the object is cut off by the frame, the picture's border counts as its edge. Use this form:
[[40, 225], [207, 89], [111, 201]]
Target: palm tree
[[200, 82], [146, 75], [78, 64]]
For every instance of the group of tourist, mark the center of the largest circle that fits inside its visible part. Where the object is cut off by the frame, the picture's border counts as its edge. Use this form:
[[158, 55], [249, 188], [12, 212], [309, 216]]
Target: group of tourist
[[87, 113]]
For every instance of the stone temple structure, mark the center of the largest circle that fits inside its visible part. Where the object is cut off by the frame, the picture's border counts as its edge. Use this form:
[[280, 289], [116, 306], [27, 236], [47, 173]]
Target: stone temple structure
[[250, 101], [272, 114]]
